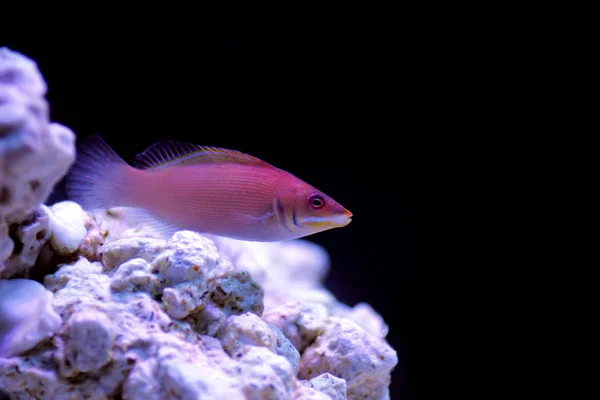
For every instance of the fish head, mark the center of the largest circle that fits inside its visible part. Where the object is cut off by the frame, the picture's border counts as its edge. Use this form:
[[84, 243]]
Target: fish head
[[315, 211]]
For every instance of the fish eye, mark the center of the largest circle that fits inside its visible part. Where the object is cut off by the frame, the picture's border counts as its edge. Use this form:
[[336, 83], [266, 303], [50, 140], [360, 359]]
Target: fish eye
[[316, 201]]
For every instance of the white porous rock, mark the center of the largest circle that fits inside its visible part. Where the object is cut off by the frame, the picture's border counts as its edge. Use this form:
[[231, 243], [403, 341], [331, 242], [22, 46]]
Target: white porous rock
[[290, 270], [83, 286], [347, 351], [203, 286], [188, 286], [73, 234], [79, 286], [196, 283], [92, 245], [34, 155], [30, 235], [172, 375], [333, 387], [26, 316], [30, 377], [88, 336], [286, 271], [67, 222], [135, 275], [364, 315], [6, 245], [121, 250], [300, 323], [206, 305], [263, 375], [141, 350], [189, 256], [303, 392], [240, 332], [109, 340], [301, 260]]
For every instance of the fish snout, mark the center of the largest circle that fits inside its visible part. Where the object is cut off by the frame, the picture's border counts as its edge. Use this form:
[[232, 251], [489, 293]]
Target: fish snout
[[344, 218]]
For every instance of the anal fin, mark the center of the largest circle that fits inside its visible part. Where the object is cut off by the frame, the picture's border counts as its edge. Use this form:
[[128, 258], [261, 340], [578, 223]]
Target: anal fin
[[140, 217]]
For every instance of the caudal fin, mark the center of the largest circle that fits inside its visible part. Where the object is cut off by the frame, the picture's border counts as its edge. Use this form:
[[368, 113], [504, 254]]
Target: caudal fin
[[98, 177]]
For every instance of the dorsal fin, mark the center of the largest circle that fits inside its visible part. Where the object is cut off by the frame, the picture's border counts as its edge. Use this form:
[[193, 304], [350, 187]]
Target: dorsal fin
[[168, 153]]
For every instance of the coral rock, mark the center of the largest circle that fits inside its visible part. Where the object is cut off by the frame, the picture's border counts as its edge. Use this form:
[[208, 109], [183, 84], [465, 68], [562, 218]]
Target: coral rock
[[240, 332], [67, 222], [28, 239], [170, 377], [34, 155], [347, 351], [26, 316], [74, 231], [303, 392], [263, 375], [189, 256], [119, 251], [333, 387], [301, 324], [88, 340], [364, 315], [135, 275], [299, 263]]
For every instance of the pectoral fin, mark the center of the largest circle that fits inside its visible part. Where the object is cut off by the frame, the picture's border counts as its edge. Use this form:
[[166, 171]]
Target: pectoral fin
[[256, 218]]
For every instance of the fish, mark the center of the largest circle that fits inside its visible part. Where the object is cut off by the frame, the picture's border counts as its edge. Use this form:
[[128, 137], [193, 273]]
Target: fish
[[175, 185]]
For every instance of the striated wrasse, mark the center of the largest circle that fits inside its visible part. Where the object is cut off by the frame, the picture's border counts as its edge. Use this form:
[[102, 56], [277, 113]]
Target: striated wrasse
[[175, 186]]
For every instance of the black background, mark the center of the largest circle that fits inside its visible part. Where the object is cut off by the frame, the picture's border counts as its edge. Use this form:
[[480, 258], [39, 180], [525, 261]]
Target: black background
[[417, 128]]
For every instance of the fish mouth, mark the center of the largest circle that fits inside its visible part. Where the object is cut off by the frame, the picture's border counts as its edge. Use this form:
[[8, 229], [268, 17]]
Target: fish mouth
[[341, 220], [334, 221], [347, 216]]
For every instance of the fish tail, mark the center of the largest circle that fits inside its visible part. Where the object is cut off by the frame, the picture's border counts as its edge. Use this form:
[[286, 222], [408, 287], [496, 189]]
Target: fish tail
[[98, 179]]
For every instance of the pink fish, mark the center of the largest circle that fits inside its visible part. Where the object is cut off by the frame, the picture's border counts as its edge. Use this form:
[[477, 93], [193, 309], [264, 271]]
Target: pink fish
[[182, 186]]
